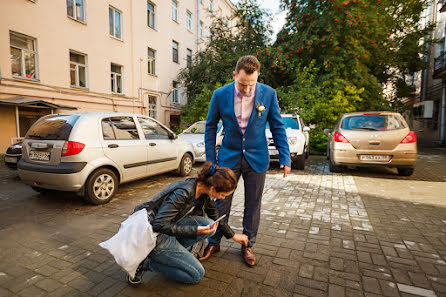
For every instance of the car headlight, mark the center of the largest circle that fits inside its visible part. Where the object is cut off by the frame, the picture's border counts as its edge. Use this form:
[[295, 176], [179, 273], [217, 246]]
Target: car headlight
[[200, 144], [292, 140]]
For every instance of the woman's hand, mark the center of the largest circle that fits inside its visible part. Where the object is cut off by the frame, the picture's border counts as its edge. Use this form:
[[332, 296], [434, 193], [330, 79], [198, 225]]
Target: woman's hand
[[241, 238], [207, 229]]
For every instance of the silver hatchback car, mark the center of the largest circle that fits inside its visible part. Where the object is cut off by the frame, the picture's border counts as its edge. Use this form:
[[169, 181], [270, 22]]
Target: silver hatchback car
[[91, 153]]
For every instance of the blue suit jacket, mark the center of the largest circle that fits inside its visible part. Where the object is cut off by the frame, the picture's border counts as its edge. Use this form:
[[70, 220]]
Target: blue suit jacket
[[253, 143]]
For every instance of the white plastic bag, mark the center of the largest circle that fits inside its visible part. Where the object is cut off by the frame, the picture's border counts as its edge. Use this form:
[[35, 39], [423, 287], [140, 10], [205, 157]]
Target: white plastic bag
[[133, 242]]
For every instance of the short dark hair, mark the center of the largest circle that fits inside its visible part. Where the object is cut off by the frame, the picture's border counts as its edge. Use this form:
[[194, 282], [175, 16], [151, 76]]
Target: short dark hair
[[223, 179], [248, 63]]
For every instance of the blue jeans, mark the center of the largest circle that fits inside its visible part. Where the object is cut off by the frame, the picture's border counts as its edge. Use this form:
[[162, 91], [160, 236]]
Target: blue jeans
[[171, 257]]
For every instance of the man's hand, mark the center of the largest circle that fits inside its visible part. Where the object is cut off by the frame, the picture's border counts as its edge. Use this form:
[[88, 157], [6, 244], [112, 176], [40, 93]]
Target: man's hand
[[207, 229], [286, 170], [241, 238]]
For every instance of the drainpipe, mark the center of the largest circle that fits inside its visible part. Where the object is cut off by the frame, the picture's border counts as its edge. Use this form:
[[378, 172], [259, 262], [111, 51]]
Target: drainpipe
[[442, 111], [198, 25], [17, 123]]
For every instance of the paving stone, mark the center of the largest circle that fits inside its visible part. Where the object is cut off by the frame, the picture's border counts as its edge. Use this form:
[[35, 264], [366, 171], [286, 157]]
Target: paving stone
[[48, 284], [336, 291]]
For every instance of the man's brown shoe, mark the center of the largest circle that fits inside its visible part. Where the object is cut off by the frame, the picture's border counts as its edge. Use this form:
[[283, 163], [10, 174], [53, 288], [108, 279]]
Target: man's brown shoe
[[248, 256], [209, 251]]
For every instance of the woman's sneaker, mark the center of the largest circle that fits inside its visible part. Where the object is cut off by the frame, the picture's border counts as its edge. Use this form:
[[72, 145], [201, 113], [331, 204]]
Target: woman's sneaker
[[136, 281]]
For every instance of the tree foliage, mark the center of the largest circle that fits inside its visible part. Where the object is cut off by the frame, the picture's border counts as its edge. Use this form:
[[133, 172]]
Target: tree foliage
[[215, 64]]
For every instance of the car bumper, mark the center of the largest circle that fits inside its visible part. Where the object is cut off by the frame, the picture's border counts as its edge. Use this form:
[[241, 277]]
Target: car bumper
[[12, 160], [404, 155], [200, 155], [64, 177]]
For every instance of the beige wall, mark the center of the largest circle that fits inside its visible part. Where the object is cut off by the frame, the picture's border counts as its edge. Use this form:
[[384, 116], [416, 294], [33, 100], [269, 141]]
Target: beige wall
[[9, 128], [56, 34]]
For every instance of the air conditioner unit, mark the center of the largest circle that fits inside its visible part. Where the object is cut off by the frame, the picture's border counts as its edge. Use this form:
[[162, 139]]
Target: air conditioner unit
[[424, 109]]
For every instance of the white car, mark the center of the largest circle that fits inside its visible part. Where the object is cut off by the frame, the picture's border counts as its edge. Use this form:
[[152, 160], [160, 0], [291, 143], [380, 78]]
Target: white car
[[298, 140], [91, 153], [195, 135]]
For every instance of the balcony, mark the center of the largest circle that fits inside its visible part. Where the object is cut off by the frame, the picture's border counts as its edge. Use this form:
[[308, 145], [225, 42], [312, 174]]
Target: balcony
[[440, 66]]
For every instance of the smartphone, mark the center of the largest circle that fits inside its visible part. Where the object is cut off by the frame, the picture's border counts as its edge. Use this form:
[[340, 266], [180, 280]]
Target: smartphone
[[219, 219]]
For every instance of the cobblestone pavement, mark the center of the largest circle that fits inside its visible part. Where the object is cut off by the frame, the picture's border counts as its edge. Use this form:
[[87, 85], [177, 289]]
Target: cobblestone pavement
[[365, 232]]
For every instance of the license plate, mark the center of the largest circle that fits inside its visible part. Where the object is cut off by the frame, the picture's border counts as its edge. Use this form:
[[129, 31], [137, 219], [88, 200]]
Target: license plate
[[273, 152], [10, 159], [374, 158], [40, 156]]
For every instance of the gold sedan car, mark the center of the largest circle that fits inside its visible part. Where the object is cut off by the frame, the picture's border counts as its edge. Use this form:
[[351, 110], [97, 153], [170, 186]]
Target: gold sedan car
[[372, 139]]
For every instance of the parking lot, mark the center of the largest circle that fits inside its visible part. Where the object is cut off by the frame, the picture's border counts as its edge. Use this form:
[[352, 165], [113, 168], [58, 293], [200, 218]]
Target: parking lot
[[363, 232]]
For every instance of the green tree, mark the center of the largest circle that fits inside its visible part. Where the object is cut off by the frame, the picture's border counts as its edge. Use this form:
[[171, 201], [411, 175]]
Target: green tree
[[214, 65], [367, 43]]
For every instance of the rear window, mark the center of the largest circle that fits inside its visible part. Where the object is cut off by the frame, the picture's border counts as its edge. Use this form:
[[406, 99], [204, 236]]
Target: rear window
[[373, 122], [197, 128], [290, 123], [57, 127]]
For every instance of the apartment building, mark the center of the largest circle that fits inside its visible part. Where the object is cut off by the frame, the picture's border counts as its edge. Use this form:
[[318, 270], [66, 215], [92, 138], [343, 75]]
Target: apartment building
[[429, 103], [98, 55]]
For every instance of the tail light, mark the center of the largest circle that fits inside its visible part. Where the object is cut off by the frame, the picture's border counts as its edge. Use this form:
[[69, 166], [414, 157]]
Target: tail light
[[411, 137], [72, 148], [338, 137]]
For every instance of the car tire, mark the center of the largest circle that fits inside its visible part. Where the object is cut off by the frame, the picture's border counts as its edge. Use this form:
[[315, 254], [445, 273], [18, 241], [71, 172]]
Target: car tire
[[185, 165], [332, 167], [307, 152], [40, 190], [299, 163], [405, 171], [101, 186]]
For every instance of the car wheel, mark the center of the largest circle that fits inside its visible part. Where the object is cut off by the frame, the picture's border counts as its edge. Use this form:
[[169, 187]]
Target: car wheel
[[40, 190], [405, 171], [101, 186], [299, 163], [332, 167], [185, 165]]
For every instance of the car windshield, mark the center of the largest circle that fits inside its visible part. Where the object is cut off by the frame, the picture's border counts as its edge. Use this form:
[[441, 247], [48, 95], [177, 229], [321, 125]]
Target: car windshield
[[199, 127], [57, 127], [378, 122], [290, 123]]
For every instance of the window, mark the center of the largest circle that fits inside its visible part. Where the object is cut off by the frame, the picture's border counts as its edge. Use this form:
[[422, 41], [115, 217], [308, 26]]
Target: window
[[119, 128], [151, 61], [211, 5], [78, 70], [114, 17], [153, 130], [189, 21], [23, 55], [176, 93], [174, 10], [152, 107], [116, 79], [189, 58], [200, 30], [76, 10], [150, 15], [175, 51]]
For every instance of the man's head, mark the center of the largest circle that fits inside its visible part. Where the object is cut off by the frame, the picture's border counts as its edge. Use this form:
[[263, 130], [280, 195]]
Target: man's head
[[246, 74]]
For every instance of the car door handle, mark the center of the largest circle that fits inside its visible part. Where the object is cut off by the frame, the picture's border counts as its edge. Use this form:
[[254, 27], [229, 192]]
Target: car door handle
[[152, 144], [114, 145]]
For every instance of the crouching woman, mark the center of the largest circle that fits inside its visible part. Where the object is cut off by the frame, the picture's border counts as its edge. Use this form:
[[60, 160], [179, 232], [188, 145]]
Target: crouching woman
[[177, 214]]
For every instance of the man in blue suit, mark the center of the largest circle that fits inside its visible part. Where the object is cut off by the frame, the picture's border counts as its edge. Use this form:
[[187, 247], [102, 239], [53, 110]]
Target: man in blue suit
[[244, 107]]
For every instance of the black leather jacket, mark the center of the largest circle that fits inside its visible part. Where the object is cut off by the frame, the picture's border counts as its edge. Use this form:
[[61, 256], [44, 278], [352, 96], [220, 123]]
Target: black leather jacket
[[173, 204]]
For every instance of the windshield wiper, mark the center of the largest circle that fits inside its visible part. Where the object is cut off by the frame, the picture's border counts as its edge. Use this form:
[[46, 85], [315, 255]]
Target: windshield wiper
[[364, 128]]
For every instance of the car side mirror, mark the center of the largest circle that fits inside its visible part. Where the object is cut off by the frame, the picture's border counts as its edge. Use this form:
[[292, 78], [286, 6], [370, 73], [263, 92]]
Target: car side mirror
[[326, 131], [306, 129], [172, 136]]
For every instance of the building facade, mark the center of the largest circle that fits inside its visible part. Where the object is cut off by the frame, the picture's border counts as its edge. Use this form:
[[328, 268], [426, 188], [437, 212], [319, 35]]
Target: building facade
[[97, 55], [429, 104]]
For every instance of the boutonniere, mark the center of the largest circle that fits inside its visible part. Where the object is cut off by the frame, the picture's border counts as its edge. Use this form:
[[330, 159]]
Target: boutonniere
[[260, 108]]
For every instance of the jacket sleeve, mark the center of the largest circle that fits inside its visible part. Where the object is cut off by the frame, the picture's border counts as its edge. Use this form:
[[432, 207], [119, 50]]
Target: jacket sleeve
[[164, 221], [212, 212], [210, 132], [278, 131]]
